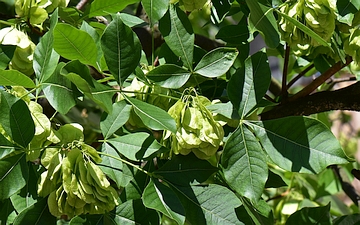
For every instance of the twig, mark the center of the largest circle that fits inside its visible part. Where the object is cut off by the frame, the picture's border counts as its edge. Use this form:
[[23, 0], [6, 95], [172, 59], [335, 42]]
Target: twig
[[81, 4], [320, 80], [284, 92], [301, 74]]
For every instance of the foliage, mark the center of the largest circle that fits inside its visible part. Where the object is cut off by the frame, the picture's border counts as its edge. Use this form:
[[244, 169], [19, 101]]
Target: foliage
[[120, 112]]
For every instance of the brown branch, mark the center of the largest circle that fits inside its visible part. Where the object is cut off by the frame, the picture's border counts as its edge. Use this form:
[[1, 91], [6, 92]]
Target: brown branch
[[320, 80], [81, 4], [347, 98], [300, 75]]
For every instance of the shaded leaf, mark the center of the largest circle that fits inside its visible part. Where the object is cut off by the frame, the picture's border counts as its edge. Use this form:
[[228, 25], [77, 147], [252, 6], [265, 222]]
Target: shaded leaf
[[36, 214], [6, 147], [161, 198], [233, 34], [299, 144], [15, 119], [79, 74], [74, 44], [213, 204], [348, 219], [313, 215], [6, 54], [185, 170], [13, 175], [152, 116], [100, 7], [110, 123], [263, 19], [259, 214], [216, 62], [58, 91], [132, 212], [155, 9], [178, 34], [45, 57], [115, 169], [122, 49], [249, 84], [137, 146], [15, 78], [169, 76], [244, 164]]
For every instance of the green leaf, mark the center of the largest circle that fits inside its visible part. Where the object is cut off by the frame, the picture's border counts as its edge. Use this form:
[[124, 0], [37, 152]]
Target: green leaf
[[132, 21], [15, 78], [216, 62], [169, 76], [155, 9], [219, 9], [348, 219], [249, 84], [45, 57], [58, 91], [79, 74], [137, 146], [13, 175], [15, 118], [122, 49], [6, 147], [7, 212], [212, 204], [36, 214], [178, 34], [28, 195], [264, 21], [75, 44], [313, 215], [259, 214], [100, 7], [152, 116], [115, 169], [110, 123], [185, 170], [6, 54], [160, 197], [299, 144], [132, 212], [305, 29], [346, 7], [225, 109], [233, 34], [244, 164]]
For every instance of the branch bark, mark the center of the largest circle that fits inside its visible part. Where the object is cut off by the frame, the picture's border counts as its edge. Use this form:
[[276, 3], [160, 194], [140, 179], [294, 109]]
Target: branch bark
[[343, 99]]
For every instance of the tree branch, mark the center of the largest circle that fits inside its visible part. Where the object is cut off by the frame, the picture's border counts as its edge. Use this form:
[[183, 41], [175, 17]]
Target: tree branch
[[343, 99], [320, 80]]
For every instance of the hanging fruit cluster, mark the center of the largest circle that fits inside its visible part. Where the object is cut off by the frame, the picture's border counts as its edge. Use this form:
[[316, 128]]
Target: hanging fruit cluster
[[74, 183], [197, 130]]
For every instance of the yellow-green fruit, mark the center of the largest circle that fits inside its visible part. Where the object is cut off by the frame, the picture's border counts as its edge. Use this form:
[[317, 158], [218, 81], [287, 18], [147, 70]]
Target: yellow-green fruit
[[197, 130], [191, 5], [352, 45]]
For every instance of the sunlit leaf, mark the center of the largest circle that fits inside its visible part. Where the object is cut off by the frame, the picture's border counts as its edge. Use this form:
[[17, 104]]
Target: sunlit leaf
[[137, 146], [244, 164], [110, 123], [100, 7], [74, 44], [217, 62], [15, 78], [155, 9], [169, 76], [152, 116]]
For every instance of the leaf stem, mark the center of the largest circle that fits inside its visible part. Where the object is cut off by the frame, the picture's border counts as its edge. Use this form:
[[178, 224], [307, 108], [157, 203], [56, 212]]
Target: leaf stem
[[127, 162]]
